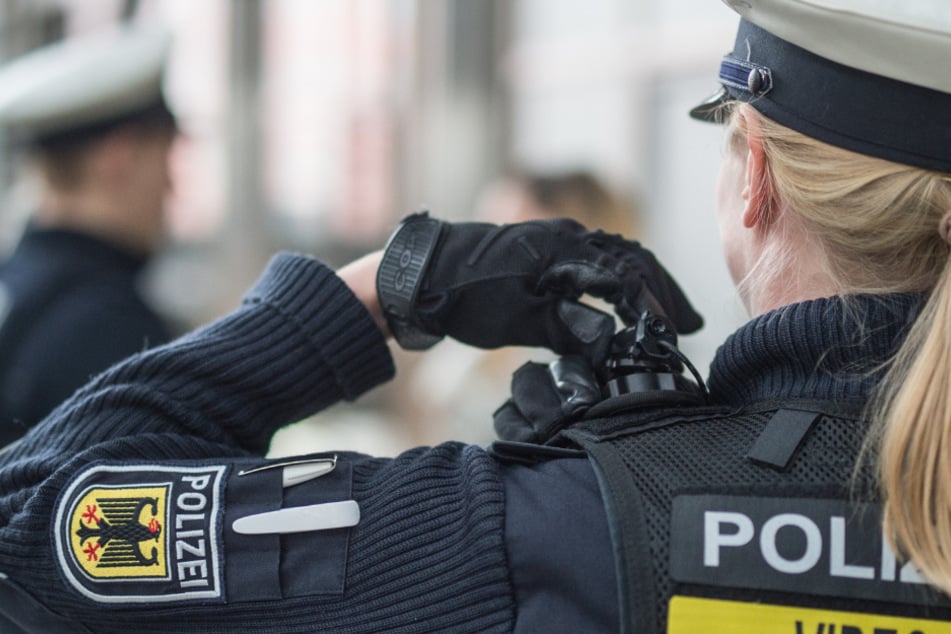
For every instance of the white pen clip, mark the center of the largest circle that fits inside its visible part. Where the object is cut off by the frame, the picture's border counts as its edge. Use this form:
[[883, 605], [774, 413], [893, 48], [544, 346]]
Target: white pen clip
[[297, 471], [298, 519]]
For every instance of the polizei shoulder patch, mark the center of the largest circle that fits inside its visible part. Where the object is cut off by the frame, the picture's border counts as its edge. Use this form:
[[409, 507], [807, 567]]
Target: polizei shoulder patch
[[142, 533]]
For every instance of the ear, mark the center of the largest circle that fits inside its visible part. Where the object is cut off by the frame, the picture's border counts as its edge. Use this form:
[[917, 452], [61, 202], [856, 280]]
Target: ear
[[758, 191]]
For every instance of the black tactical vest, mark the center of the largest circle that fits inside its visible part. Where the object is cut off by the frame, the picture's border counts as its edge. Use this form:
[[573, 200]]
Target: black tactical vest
[[752, 521]]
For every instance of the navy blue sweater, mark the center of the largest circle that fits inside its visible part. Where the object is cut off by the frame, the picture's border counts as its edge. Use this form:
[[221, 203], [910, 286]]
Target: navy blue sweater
[[72, 310], [116, 512]]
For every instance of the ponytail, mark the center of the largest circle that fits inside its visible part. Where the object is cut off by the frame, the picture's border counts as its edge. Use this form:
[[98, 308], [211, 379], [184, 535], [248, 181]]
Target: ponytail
[[914, 437]]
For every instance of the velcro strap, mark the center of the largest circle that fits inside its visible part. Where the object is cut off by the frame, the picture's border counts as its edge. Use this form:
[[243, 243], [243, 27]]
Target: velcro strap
[[783, 435]]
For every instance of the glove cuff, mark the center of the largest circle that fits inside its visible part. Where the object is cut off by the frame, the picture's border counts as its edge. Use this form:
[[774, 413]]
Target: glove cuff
[[398, 280]]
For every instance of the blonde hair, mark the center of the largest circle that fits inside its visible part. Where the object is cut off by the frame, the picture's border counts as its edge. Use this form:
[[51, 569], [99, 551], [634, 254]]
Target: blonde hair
[[879, 223], [914, 439], [877, 220]]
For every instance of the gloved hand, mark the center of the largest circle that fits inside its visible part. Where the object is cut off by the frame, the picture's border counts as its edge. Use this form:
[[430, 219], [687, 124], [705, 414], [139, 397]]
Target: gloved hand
[[491, 286], [545, 398]]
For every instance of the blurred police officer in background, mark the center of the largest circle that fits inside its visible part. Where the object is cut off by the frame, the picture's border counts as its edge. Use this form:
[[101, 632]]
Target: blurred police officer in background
[[90, 114], [805, 490]]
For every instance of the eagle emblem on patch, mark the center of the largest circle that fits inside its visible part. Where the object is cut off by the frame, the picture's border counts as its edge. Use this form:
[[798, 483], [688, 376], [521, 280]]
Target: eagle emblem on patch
[[142, 533]]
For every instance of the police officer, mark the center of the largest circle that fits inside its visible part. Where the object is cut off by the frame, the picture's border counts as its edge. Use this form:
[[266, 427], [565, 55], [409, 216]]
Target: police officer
[[624, 496], [91, 114]]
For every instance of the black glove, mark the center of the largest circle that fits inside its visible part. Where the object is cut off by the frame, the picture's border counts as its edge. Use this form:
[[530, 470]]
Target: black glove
[[491, 286], [545, 398]]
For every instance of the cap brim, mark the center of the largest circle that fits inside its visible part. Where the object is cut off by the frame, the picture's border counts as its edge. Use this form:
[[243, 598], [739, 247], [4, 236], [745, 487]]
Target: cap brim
[[711, 110]]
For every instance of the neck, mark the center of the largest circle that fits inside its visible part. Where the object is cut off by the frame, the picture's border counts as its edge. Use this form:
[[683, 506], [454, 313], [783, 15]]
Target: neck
[[791, 287], [93, 211], [790, 267]]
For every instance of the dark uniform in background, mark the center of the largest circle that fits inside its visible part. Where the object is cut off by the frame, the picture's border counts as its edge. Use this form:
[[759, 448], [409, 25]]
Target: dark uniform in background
[[70, 305], [72, 308]]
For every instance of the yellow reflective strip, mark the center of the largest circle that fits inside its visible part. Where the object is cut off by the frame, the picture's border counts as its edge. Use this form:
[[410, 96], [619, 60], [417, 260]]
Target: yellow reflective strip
[[690, 615]]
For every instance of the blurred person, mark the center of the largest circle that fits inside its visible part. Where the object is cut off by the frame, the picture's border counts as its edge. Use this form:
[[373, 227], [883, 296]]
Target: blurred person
[[454, 389], [579, 194], [90, 114], [804, 489]]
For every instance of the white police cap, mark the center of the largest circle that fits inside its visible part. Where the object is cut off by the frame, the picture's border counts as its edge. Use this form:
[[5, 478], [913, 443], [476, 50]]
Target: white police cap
[[84, 81], [872, 76]]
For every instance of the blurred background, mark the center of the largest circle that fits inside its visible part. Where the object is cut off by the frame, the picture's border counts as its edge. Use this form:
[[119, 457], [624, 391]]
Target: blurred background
[[315, 125]]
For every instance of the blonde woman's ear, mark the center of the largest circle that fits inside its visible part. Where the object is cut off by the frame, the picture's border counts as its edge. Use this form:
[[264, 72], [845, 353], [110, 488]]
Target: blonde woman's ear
[[758, 191]]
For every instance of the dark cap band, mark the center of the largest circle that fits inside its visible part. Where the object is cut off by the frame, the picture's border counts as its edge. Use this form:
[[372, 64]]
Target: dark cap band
[[842, 106], [154, 116]]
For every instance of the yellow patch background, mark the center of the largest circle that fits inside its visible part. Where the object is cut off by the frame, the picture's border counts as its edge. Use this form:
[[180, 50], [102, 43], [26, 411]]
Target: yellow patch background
[[689, 615], [100, 493]]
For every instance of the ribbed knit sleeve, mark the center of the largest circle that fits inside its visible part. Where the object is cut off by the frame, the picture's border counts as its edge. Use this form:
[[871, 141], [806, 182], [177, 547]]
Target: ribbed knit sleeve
[[299, 342], [426, 554]]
